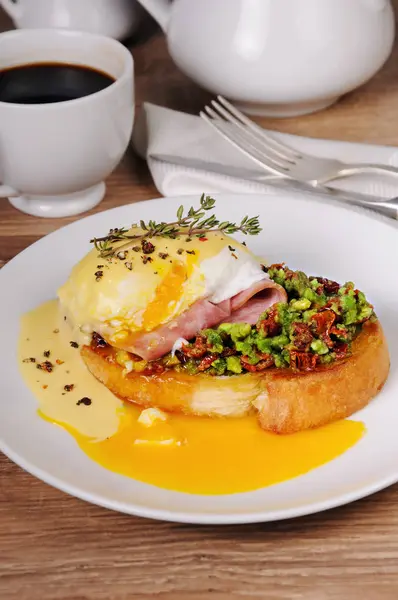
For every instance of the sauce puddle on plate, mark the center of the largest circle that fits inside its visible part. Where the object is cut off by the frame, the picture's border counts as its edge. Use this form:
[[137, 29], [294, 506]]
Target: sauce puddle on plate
[[187, 454]]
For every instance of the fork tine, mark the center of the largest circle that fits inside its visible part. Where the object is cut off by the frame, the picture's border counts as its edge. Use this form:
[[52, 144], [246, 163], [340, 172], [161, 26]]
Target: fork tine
[[245, 137], [217, 125], [276, 144], [275, 155]]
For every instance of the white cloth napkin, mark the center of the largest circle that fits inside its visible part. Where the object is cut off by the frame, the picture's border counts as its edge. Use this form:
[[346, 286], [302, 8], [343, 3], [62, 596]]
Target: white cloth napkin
[[160, 135]]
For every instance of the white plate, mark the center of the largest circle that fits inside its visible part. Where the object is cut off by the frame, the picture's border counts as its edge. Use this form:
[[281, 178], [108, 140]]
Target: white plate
[[327, 239]]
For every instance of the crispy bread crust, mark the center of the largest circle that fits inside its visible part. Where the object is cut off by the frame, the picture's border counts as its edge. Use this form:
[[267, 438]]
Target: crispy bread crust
[[285, 402]]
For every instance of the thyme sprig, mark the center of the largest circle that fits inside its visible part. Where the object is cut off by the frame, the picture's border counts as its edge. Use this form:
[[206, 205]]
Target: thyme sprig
[[195, 223]]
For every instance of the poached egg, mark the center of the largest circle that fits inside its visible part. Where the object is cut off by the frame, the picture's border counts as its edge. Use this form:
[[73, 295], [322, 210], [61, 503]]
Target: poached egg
[[135, 292]]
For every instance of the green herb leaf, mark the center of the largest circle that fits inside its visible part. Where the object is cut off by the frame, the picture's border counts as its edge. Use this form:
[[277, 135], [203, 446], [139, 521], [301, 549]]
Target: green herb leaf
[[180, 212], [195, 223]]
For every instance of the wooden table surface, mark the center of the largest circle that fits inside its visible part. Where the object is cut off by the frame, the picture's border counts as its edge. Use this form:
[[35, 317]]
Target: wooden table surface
[[55, 547]]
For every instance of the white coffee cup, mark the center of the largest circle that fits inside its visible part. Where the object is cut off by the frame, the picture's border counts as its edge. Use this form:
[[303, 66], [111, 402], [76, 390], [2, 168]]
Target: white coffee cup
[[115, 18], [54, 157]]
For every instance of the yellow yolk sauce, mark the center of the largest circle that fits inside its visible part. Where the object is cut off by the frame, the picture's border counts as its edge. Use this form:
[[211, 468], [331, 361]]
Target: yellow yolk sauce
[[215, 456], [186, 454]]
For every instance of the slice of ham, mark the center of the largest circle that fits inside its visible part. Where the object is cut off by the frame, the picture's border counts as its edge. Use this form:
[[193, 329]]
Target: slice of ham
[[200, 315], [245, 307]]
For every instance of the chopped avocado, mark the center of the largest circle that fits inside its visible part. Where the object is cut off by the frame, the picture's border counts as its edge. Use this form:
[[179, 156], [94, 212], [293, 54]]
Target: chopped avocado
[[191, 367], [264, 344], [219, 365], [310, 295], [278, 275], [348, 302], [336, 306], [347, 288], [308, 314], [170, 360], [319, 347], [364, 313], [237, 331], [247, 346], [234, 364], [285, 355], [326, 359], [344, 333], [215, 340], [225, 327], [301, 304], [280, 341], [314, 284], [280, 361], [287, 315], [297, 284]]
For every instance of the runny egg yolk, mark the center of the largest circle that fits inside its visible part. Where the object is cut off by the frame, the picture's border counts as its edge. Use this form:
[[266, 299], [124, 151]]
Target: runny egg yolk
[[214, 456], [167, 295], [176, 452]]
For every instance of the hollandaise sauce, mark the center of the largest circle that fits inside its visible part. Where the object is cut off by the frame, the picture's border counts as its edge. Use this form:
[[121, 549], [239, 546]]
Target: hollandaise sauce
[[187, 454]]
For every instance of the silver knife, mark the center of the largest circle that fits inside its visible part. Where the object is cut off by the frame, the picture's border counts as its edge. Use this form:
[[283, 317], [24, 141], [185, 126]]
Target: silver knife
[[387, 207]]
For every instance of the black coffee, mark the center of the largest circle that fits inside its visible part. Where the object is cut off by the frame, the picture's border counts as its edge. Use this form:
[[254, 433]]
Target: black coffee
[[44, 83]]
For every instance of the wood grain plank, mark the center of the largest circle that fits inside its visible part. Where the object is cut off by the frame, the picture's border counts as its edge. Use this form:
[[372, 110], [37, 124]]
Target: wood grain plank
[[55, 547]]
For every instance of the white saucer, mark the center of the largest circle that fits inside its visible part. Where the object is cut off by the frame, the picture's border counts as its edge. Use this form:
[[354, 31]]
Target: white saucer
[[66, 205]]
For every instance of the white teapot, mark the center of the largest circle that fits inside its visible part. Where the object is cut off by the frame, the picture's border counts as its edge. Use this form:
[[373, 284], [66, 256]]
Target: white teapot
[[277, 57]]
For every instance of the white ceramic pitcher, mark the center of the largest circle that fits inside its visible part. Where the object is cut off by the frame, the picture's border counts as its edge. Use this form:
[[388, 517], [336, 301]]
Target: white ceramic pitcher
[[277, 57]]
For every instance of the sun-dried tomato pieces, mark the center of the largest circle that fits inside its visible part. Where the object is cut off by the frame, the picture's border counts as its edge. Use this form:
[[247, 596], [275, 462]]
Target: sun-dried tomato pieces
[[270, 326], [340, 349], [326, 286], [196, 350], [303, 361], [266, 361], [321, 324], [206, 362], [301, 336], [228, 352]]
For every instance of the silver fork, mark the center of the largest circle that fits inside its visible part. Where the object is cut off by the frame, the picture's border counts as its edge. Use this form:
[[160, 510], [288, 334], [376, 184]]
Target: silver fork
[[275, 156]]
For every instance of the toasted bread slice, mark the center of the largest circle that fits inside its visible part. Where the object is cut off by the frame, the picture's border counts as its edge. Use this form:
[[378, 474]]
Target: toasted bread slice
[[292, 402], [285, 402]]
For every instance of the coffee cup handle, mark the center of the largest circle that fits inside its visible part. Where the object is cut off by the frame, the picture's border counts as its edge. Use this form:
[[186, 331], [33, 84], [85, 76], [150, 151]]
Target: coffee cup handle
[[8, 192], [14, 9]]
